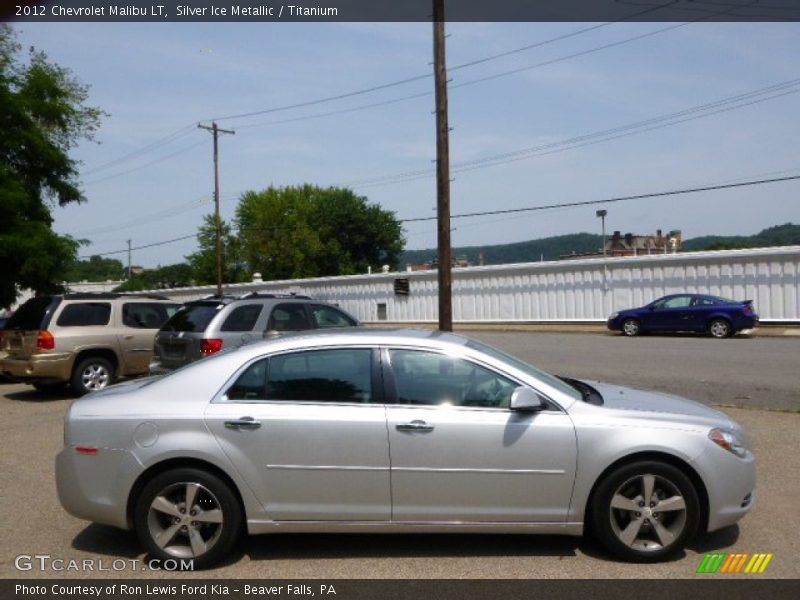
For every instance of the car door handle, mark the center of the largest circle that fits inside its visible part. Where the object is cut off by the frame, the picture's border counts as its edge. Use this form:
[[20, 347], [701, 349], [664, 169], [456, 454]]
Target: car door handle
[[243, 423], [415, 426]]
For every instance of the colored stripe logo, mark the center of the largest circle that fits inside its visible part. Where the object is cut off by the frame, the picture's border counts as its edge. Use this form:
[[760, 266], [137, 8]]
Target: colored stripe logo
[[741, 562]]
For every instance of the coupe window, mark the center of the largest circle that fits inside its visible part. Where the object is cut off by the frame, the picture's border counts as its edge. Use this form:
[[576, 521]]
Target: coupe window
[[673, 302], [429, 378]]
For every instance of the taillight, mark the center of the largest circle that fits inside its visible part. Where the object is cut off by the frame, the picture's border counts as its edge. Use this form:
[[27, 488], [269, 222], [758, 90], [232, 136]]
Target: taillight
[[210, 346], [45, 340], [748, 310]]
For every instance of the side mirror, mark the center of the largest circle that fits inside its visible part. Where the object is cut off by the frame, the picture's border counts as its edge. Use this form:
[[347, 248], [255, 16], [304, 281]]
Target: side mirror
[[526, 400]]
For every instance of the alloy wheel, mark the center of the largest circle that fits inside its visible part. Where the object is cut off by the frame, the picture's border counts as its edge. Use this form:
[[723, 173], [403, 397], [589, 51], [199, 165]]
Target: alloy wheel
[[648, 513], [95, 377]]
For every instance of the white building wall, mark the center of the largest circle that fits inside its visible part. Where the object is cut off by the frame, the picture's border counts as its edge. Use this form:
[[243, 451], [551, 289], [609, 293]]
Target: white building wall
[[567, 290]]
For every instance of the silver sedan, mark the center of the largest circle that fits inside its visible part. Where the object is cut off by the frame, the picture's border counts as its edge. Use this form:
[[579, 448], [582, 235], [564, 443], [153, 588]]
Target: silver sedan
[[396, 431]]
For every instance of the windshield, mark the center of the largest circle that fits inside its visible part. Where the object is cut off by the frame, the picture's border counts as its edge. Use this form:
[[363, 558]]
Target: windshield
[[193, 317], [550, 380]]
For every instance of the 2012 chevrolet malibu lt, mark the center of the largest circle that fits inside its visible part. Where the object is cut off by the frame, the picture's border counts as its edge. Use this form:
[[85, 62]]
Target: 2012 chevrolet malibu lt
[[396, 431]]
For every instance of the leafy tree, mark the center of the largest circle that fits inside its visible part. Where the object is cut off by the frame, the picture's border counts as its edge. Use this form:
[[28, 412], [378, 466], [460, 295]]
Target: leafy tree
[[204, 262], [96, 268], [42, 116], [308, 231], [170, 276]]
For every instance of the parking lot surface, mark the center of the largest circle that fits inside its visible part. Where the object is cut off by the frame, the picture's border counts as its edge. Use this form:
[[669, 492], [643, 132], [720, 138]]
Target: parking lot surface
[[754, 373]]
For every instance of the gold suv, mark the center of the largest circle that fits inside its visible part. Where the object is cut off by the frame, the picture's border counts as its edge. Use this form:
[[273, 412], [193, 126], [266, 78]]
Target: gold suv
[[86, 340]]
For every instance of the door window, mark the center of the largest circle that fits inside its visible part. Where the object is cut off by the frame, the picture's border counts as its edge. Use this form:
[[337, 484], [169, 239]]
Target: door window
[[146, 315], [327, 316], [428, 378], [289, 317], [242, 318], [674, 302], [339, 375]]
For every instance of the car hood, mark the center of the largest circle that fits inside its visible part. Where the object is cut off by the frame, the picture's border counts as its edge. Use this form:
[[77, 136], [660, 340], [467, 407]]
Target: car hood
[[618, 397]]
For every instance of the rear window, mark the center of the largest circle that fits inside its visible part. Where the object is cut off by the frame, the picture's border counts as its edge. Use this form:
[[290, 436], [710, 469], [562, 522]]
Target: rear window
[[84, 314], [193, 317], [30, 315]]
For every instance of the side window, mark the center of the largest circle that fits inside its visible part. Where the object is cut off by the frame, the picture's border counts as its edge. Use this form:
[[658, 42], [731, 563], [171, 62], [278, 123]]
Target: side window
[[83, 314], [251, 385], [242, 318], [144, 315], [340, 375], [288, 317], [327, 316], [703, 302], [427, 378], [677, 302]]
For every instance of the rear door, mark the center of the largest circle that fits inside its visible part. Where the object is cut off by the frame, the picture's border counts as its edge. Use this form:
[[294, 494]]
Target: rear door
[[307, 431]]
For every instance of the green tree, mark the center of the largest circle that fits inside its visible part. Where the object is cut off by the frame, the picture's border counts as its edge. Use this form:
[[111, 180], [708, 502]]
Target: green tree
[[42, 116], [96, 268], [170, 276], [204, 262], [308, 231]]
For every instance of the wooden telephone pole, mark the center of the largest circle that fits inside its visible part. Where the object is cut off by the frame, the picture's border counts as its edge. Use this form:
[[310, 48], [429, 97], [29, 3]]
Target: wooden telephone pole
[[217, 221], [442, 171]]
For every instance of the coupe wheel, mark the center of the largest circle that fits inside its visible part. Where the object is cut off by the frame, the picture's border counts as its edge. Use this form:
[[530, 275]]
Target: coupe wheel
[[188, 514], [720, 328], [92, 374], [631, 327], [645, 511]]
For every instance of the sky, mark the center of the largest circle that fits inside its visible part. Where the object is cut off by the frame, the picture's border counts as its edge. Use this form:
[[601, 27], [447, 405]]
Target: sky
[[148, 176]]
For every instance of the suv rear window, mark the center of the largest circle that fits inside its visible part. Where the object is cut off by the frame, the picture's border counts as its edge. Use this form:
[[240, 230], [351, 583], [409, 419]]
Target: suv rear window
[[30, 315], [147, 315], [84, 314], [193, 317]]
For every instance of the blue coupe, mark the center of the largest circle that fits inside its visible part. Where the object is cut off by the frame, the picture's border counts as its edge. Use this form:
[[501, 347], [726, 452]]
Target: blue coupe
[[716, 316]]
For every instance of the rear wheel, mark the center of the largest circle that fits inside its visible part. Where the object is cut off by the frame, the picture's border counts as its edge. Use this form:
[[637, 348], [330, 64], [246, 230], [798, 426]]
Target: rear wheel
[[720, 328], [188, 514], [92, 374], [631, 327], [645, 511]]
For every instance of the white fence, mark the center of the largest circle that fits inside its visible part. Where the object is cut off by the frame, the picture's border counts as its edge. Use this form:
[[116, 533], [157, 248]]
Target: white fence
[[566, 290]]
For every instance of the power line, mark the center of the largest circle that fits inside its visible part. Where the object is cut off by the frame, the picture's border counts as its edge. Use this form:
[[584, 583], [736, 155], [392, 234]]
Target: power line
[[143, 150], [723, 105], [512, 210], [608, 200]]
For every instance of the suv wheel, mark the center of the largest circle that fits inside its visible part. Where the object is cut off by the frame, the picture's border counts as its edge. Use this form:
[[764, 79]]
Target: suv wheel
[[92, 374]]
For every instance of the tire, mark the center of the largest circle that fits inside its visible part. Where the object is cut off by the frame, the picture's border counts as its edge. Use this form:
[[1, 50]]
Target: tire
[[633, 529], [720, 328], [631, 327], [92, 374], [167, 533]]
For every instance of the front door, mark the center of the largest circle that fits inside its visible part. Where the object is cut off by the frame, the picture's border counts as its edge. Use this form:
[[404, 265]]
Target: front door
[[307, 431], [460, 454]]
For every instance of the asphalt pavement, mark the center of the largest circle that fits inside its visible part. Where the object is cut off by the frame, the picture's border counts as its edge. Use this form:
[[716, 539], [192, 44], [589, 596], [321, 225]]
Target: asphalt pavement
[[716, 371]]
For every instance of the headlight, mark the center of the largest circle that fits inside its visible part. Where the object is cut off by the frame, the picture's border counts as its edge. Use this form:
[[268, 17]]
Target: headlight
[[728, 440], [613, 316]]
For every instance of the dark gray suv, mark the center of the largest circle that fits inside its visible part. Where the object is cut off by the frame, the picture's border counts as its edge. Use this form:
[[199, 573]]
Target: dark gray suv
[[204, 327]]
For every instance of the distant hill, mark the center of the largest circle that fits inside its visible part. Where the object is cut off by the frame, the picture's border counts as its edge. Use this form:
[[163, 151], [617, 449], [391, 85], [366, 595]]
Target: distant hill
[[552, 248]]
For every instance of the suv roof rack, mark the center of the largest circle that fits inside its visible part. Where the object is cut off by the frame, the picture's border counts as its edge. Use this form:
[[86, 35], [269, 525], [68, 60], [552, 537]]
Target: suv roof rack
[[109, 296], [262, 295]]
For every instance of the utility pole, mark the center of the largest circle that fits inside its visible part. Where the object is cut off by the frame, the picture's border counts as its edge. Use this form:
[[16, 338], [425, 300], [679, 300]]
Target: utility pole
[[217, 221], [129, 259], [442, 171]]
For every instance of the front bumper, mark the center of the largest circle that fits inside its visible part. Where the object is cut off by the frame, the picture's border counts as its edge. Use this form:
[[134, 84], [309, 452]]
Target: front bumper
[[39, 367], [730, 484]]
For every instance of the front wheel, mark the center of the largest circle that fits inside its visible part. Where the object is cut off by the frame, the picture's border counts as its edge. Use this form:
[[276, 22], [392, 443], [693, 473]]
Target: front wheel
[[188, 514], [720, 328], [631, 327], [645, 511]]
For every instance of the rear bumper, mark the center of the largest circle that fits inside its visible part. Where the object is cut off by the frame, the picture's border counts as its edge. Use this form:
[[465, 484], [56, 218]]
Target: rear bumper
[[40, 367]]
